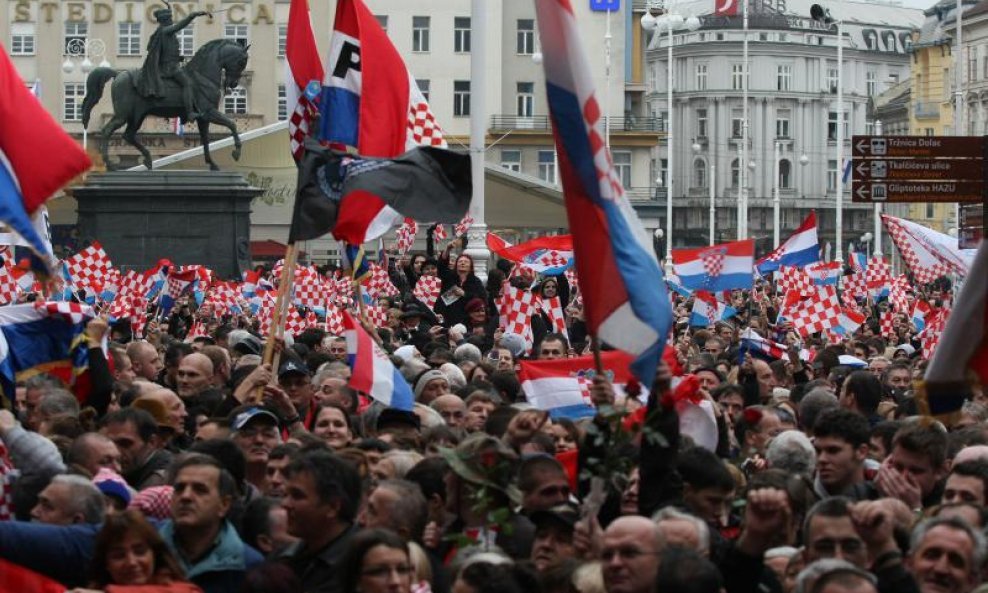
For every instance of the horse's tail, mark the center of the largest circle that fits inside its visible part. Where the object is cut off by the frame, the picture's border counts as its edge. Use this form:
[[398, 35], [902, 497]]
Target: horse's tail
[[94, 90]]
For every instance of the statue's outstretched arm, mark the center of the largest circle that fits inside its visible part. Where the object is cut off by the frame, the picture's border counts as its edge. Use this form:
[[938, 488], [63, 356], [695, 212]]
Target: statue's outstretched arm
[[185, 22]]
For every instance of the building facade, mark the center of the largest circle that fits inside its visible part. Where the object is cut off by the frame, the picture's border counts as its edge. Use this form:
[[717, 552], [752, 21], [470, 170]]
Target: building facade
[[792, 112], [433, 36]]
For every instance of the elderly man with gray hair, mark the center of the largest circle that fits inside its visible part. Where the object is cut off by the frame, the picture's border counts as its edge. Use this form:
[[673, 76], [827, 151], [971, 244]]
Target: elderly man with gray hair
[[792, 452], [69, 500]]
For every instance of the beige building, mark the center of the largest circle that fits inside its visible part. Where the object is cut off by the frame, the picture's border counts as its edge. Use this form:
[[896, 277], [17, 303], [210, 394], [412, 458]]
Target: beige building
[[433, 36]]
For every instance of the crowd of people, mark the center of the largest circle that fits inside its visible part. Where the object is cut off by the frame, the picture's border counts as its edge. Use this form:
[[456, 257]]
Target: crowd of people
[[194, 466]]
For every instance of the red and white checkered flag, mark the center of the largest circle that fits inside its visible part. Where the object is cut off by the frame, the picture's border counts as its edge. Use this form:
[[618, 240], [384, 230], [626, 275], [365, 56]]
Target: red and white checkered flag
[[90, 268], [439, 233], [854, 286], [517, 307], [817, 312], [405, 236], [422, 127], [334, 321], [898, 296], [929, 338], [427, 290], [886, 324], [921, 256], [378, 316], [553, 309], [879, 274], [310, 289], [461, 228], [379, 284], [796, 280], [198, 330], [8, 286]]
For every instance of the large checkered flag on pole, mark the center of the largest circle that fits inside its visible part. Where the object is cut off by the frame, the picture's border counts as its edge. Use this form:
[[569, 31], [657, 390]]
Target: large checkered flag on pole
[[303, 75]]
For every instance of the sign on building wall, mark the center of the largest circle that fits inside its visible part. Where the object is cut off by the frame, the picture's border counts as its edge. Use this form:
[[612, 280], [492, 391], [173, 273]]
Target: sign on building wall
[[605, 5]]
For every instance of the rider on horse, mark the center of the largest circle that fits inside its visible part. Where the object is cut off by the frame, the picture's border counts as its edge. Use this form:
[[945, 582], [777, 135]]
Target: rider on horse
[[164, 60]]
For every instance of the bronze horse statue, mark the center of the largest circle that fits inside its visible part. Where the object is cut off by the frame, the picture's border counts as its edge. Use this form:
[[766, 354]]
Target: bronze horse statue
[[217, 65]]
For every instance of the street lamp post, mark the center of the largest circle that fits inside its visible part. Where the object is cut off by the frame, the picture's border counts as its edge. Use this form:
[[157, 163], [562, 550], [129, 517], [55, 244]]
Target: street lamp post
[[775, 198], [742, 174], [866, 239], [878, 207], [88, 50], [670, 22], [822, 15]]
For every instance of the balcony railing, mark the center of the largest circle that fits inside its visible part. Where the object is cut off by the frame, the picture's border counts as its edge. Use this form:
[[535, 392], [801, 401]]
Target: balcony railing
[[542, 123], [926, 110]]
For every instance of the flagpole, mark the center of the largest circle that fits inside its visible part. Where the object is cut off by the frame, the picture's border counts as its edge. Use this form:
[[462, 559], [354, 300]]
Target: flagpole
[[280, 306]]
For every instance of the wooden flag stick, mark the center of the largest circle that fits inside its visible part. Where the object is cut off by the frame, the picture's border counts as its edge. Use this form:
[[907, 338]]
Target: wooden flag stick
[[597, 362], [280, 306]]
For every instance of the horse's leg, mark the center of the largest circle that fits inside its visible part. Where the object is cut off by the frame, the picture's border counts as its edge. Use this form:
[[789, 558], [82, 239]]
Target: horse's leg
[[203, 124], [104, 141], [130, 135], [217, 117]]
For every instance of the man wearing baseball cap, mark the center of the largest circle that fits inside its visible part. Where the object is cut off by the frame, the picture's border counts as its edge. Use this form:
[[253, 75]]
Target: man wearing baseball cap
[[553, 541], [294, 378], [255, 429]]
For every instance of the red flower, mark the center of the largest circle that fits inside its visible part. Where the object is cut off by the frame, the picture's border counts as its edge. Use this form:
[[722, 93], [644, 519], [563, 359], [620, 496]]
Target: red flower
[[488, 459], [752, 416]]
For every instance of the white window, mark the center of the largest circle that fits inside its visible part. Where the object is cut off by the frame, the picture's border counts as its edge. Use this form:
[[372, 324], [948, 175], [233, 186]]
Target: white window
[[871, 83], [461, 98], [235, 101], [735, 173], [282, 103], [382, 19], [282, 40], [785, 174], [701, 77], [129, 39], [699, 173], [186, 41], [75, 36], [511, 160], [831, 176], [622, 166], [236, 32], [832, 126], [22, 39], [72, 101], [832, 79], [424, 85], [972, 68], [737, 123], [737, 76], [701, 123], [525, 39], [525, 99], [782, 118], [547, 166], [420, 33], [461, 34], [783, 77]]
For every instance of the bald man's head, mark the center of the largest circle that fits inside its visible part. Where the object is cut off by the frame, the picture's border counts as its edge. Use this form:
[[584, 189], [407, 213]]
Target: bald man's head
[[972, 453], [173, 405], [630, 555], [195, 373]]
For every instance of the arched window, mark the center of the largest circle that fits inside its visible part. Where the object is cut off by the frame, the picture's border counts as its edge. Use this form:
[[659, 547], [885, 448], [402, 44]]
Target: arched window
[[699, 173], [735, 173], [785, 174]]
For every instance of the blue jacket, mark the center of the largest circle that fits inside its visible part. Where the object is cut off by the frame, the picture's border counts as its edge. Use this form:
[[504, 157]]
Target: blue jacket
[[223, 569]]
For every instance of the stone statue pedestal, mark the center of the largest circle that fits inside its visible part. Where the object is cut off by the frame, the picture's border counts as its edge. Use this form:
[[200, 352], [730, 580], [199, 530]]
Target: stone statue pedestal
[[189, 217]]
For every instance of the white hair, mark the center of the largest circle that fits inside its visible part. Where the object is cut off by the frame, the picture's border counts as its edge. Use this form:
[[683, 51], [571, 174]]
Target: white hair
[[674, 514], [792, 452]]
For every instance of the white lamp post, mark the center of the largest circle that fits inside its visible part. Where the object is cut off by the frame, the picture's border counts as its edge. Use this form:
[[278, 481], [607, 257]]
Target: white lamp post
[[820, 14], [85, 49], [878, 207], [866, 239], [669, 22], [775, 198]]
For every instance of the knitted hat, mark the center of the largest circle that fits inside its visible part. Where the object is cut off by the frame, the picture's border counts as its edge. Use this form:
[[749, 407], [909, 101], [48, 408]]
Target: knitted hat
[[111, 483], [424, 379], [154, 502]]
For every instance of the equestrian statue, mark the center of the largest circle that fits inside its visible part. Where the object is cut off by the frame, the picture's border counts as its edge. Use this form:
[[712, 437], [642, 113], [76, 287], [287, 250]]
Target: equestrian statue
[[166, 88]]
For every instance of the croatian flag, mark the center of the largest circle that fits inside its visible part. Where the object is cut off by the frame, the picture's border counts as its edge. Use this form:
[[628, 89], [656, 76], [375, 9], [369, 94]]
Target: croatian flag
[[858, 261], [849, 321], [766, 349], [44, 336], [371, 369], [921, 310], [722, 267], [303, 75], [177, 284], [371, 101], [562, 386], [800, 249], [707, 310], [824, 273], [37, 158], [545, 255], [625, 300]]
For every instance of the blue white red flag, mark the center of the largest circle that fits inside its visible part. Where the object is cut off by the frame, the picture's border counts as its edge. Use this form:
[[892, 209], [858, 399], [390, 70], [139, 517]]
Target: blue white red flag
[[371, 371], [37, 158], [707, 310], [800, 249], [248, 287], [370, 101], [44, 338], [545, 255], [562, 386], [303, 75], [849, 321], [766, 349], [824, 273], [858, 261], [717, 268], [178, 127], [178, 283], [625, 299]]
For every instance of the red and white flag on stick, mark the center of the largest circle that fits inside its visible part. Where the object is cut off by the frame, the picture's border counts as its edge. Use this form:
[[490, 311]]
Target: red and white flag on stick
[[303, 75], [427, 290]]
